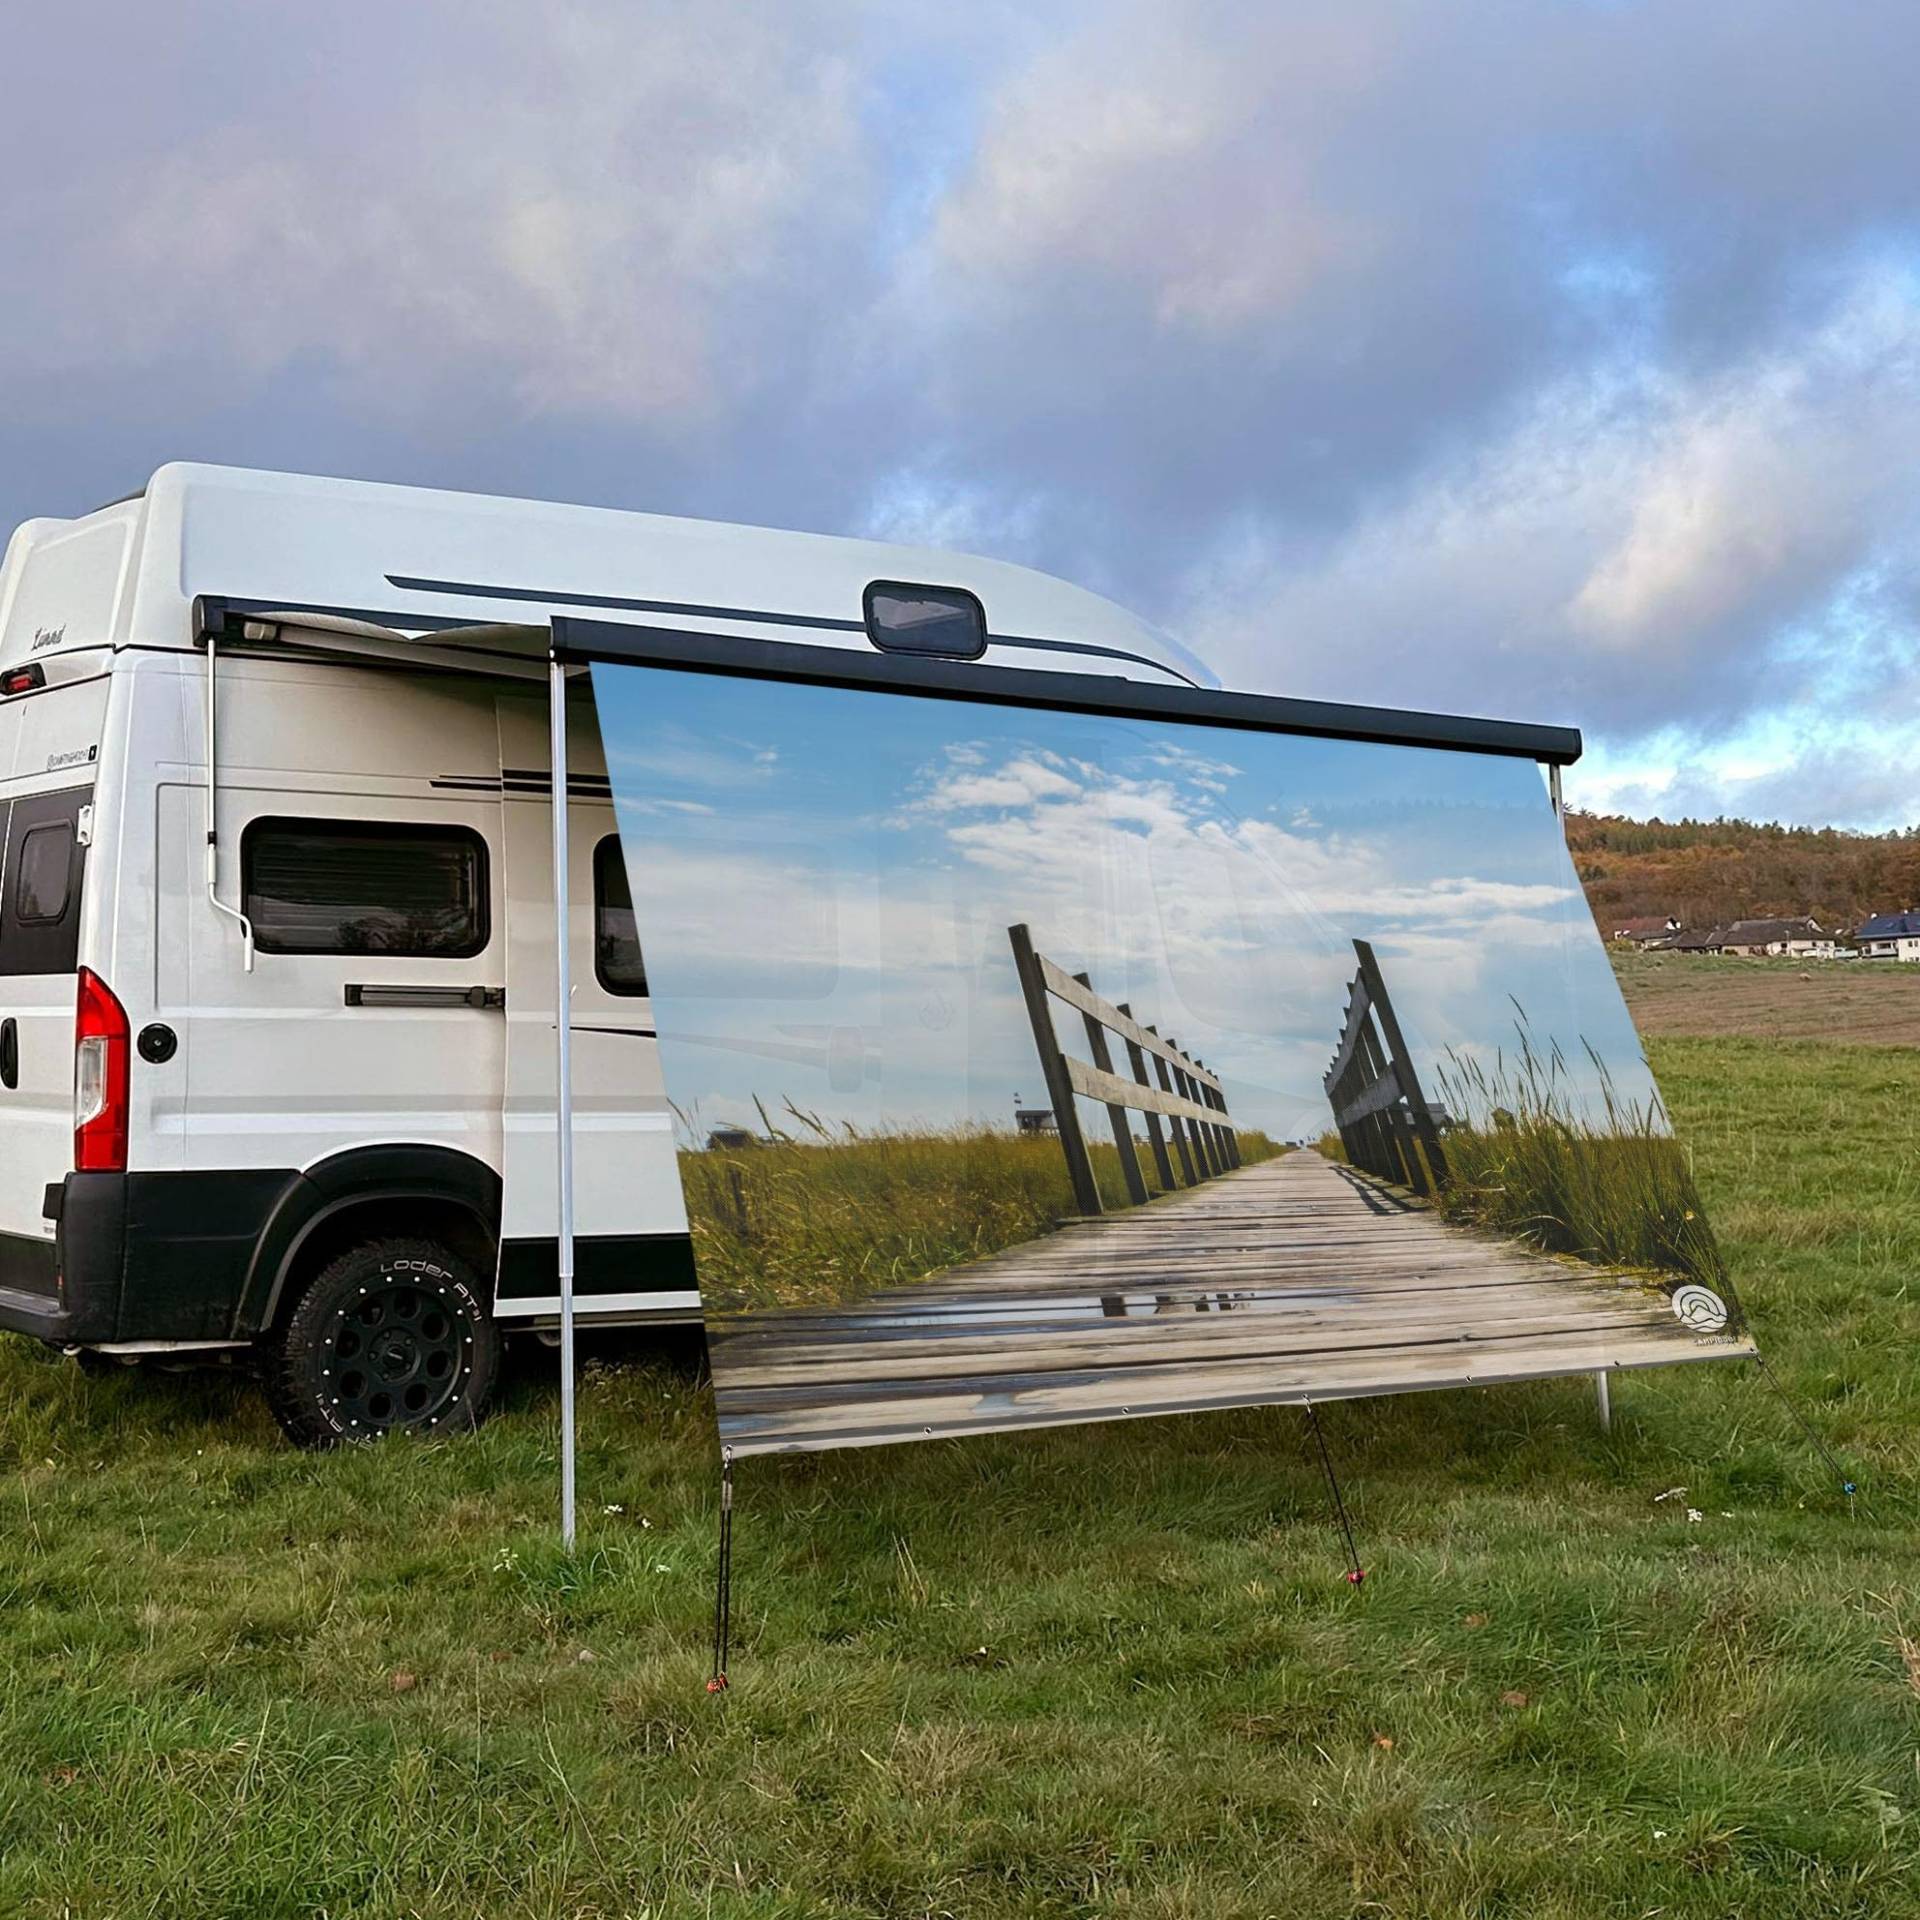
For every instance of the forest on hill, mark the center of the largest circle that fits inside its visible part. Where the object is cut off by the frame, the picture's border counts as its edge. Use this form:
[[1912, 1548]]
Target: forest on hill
[[1707, 872]]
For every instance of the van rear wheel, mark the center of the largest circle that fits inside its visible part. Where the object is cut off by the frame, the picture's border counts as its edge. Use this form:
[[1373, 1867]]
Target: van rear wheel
[[393, 1335]]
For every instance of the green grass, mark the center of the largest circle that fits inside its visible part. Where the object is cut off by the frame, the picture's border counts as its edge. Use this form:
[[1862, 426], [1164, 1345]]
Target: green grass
[[1105, 1671], [1614, 1189], [823, 1217]]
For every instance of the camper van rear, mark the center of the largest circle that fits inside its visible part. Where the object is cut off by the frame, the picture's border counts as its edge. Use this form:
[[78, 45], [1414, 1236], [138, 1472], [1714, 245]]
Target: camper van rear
[[277, 968]]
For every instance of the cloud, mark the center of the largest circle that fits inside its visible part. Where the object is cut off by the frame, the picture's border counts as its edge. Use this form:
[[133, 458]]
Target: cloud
[[1632, 549], [681, 755], [1019, 783], [587, 209], [1557, 359]]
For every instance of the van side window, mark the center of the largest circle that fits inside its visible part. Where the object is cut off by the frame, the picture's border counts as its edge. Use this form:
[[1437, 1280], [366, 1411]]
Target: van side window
[[44, 874], [617, 964], [43, 864], [364, 886]]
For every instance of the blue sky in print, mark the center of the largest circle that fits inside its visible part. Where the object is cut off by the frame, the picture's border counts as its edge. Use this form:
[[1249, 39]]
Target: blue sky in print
[[824, 880]]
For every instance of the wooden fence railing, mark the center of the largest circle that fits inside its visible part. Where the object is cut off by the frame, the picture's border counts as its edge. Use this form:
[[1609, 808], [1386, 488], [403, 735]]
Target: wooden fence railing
[[1384, 1120], [1181, 1091]]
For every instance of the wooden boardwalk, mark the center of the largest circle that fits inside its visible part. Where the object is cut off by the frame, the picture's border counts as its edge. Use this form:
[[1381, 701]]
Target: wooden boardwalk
[[1292, 1280]]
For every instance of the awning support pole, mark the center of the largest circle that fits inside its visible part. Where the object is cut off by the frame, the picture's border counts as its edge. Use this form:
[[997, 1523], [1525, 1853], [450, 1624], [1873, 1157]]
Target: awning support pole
[[563, 1102]]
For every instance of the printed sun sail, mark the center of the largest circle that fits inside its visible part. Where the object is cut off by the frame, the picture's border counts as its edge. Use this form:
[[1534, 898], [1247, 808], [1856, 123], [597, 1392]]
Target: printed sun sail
[[1038, 1066]]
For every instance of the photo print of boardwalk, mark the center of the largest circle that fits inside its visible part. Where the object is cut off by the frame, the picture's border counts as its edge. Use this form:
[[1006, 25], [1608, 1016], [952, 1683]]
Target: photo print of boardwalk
[[1038, 1067]]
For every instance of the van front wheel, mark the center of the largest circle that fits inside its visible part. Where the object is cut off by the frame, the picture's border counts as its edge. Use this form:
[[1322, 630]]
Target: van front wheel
[[392, 1335]]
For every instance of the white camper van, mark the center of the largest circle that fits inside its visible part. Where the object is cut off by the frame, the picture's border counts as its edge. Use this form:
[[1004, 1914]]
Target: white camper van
[[277, 938]]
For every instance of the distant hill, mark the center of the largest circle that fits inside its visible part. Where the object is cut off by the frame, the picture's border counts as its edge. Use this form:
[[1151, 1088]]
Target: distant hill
[[1707, 872]]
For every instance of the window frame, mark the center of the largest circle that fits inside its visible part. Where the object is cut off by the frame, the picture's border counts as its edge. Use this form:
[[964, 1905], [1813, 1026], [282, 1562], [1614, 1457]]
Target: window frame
[[380, 829], [643, 991]]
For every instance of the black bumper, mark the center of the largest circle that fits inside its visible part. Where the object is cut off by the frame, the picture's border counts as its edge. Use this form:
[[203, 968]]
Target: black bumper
[[138, 1256]]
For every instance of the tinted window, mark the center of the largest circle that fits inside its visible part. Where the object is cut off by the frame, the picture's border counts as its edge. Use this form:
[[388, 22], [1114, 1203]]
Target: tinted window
[[43, 874], [43, 865], [616, 940], [358, 886]]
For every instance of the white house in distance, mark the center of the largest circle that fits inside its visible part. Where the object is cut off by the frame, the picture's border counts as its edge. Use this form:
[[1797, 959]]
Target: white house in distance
[[1891, 936], [1800, 939], [1647, 931]]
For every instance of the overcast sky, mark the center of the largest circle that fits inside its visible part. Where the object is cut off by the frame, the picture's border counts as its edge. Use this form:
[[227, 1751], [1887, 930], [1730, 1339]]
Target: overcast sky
[[1557, 358]]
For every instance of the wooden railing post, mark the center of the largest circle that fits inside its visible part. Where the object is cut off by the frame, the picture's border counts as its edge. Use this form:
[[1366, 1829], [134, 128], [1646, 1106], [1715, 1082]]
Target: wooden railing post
[[1174, 1122], [1189, 1090], [1189, 1099], [1418, 1111], [1396, 1141], [1116, 1114], [1138, 1062], [1374, 1088], [1398, 1161], [1033, 988], [1229, 1143]]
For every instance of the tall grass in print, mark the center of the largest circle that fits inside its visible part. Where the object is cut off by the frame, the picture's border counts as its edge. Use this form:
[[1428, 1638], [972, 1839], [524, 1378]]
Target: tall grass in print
[[816, 1215], [1611, 1186]]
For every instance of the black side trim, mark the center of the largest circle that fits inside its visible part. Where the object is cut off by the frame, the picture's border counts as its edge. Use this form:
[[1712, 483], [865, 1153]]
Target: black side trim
[[408, 583], [357, 1177], [580, 786], [602, 1263], [592, 786], [190, 1238], [729, 654]]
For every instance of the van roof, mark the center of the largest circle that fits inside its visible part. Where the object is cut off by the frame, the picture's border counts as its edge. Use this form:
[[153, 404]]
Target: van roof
[[416, 558]]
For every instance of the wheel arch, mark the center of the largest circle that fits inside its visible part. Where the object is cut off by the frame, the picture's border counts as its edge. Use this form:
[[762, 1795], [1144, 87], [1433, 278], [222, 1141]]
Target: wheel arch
[[369, 1193]]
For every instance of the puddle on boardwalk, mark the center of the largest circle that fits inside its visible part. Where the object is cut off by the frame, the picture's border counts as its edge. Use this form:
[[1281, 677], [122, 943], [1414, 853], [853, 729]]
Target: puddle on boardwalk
[[947, 1313]]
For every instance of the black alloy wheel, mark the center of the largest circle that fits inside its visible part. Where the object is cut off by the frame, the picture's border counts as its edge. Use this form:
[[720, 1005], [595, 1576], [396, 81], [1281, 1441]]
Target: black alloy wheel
[[392, 1335]]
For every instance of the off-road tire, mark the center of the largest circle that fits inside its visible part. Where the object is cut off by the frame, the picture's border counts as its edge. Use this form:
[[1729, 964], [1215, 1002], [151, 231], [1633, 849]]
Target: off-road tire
[[392, 1336]]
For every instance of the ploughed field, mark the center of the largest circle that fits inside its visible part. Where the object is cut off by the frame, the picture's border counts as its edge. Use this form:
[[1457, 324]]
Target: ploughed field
[[1858, 1002], [1105, 1669]]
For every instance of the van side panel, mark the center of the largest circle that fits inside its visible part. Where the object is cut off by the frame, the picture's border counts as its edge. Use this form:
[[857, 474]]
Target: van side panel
[[302, 1057]]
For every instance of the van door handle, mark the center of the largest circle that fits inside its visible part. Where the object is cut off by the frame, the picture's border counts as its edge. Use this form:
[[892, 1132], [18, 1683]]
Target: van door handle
[[383, 995], [9, 1053]]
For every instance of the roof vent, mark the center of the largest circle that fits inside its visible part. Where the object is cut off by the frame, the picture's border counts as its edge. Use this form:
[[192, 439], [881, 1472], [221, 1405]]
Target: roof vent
[[946, 622]]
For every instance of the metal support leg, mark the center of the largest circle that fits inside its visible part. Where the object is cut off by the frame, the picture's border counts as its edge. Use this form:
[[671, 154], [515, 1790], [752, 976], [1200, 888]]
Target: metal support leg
[[1603, 1399]]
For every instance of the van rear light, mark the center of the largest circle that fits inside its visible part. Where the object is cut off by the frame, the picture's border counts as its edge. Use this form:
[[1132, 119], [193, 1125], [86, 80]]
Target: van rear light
[[100, 1063], [23, 679]]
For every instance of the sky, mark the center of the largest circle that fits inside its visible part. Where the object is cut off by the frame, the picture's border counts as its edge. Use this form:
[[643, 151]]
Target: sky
[[825, 880], [1550, 358]]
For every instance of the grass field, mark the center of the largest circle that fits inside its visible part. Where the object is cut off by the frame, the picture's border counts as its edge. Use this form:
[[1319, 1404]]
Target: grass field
[[1863, 1002], [1613, 1187], [1106, 1671]]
